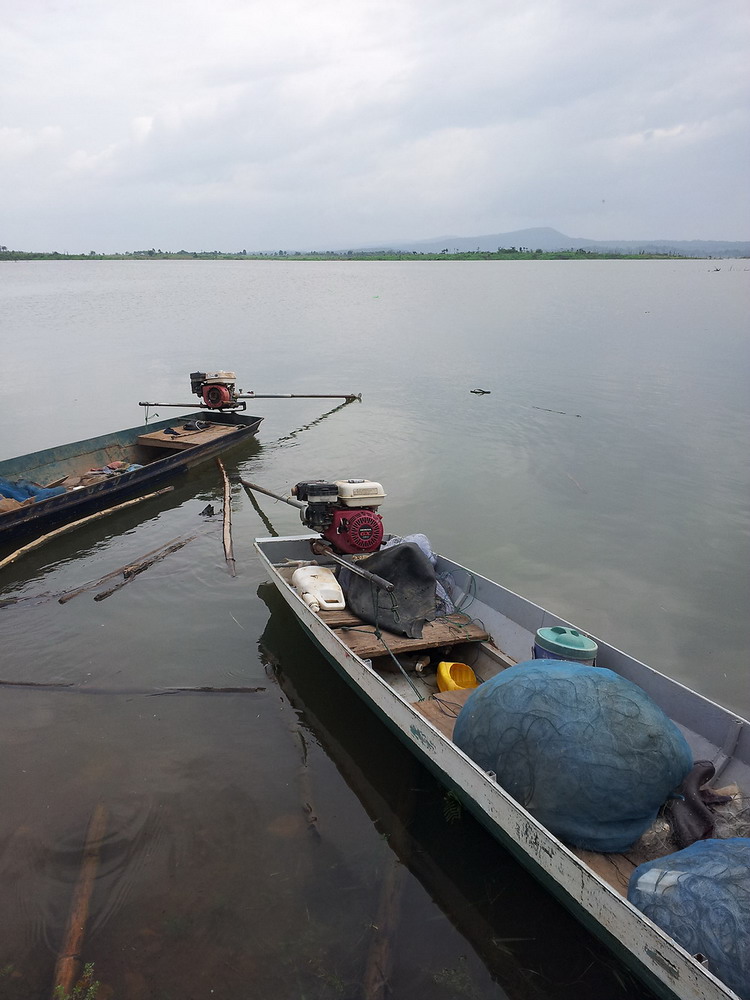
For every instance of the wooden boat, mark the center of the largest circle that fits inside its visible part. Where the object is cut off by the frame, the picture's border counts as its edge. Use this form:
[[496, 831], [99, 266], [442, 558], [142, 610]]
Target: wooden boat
[[158, 455], [593, 886]]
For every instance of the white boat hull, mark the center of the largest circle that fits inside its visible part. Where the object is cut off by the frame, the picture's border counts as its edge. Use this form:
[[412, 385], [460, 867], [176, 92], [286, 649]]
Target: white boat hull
[[655, 957]]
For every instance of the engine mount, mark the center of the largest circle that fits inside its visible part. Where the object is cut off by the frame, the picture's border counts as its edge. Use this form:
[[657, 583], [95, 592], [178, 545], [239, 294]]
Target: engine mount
[[344, 512]]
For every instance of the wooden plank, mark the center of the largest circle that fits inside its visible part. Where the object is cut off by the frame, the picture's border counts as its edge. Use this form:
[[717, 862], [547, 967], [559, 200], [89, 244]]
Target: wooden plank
[[186, 439], [450, 631], [442, 709], [615, 869], [337, 619]]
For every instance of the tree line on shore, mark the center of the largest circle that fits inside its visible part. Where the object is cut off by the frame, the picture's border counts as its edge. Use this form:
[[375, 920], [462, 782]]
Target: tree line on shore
[[502, 253]]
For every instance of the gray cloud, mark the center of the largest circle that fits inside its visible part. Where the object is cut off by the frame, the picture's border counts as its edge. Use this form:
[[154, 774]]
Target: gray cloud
[[298, 124]]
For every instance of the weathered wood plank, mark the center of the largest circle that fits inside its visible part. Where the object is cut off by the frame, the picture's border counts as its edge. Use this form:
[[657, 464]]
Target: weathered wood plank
[[186, 439], [337, 619], [361, 639], [442, 709]]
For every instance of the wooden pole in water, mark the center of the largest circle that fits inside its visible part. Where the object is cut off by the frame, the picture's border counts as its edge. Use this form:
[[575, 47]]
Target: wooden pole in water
[[130, 570], [228, 547], [376, 984], [68, 961], [77, 524]]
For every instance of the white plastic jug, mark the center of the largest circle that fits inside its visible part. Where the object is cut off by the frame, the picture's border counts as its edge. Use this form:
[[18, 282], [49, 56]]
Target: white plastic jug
[[318, 588]]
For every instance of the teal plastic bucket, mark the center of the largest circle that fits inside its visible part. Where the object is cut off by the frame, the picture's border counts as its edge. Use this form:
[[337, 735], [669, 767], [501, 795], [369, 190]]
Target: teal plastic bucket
[[561, 643]]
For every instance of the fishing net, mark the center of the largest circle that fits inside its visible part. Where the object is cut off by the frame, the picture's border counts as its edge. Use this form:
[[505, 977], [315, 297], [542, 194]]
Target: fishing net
[[701, 897], [586, 751]]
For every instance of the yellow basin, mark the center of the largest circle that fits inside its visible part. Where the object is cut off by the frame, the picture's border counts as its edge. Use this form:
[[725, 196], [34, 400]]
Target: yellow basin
[[453, 676]]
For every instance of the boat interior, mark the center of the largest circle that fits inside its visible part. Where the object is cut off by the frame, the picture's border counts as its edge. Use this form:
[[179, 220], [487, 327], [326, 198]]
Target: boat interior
[[458, 637], [86, 463]]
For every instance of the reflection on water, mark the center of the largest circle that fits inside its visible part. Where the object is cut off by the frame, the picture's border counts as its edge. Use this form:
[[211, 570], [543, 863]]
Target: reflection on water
[[253, 840], [249, 842]]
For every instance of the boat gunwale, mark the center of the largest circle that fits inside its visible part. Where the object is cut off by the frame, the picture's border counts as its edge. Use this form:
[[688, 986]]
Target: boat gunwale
[[85, 445], [690, 694], [656, 966], [62, 508]]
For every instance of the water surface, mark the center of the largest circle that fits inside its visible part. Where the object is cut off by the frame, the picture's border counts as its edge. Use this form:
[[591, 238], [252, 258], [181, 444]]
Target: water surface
[[604, 476]]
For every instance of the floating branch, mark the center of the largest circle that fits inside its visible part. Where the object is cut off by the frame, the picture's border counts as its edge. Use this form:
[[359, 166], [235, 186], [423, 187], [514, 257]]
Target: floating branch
[[73, 688], [228, 547], [561, 412], [131, 571]]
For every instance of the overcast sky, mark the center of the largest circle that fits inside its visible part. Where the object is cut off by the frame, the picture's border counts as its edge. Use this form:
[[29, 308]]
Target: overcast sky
[[294, 124]]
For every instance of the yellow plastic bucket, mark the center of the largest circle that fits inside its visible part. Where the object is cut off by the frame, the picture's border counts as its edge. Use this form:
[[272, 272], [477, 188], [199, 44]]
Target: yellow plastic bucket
[[452, 676]]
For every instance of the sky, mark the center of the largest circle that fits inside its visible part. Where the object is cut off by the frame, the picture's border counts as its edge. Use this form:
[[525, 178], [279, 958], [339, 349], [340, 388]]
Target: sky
[[326, 124]]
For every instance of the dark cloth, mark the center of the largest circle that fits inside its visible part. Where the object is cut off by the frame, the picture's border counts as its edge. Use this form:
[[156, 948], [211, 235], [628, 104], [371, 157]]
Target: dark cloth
[[690, 814], [22, 489], [412, 602]]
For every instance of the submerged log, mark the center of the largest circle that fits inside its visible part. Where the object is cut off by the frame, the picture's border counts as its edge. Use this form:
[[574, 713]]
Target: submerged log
[[124, 570], [69, 958], [74, 688], [131, 571], [376, 983]]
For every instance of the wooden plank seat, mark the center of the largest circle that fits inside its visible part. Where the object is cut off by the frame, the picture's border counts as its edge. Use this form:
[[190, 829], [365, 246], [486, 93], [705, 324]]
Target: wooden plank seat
[[186, 439], [362, 640]]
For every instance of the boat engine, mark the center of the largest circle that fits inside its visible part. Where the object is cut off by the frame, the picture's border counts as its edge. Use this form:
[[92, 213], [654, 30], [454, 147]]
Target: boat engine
[[217, 389], [344, 512]]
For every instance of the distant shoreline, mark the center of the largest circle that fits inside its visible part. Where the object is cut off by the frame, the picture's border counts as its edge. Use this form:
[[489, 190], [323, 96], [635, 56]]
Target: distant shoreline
[[510, 254]]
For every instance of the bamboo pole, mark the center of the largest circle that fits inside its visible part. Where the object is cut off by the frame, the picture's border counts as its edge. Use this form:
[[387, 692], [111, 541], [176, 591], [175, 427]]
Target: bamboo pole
[[77, 524], [228, 547], [68, 960]]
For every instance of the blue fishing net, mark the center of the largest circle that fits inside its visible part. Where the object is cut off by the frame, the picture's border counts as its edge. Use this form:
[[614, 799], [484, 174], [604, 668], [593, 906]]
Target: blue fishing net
[[701, 898], [588, 753]]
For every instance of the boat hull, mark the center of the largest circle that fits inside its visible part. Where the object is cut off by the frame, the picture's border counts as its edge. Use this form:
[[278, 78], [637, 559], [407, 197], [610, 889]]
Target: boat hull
[[657, 959], [43, 467]]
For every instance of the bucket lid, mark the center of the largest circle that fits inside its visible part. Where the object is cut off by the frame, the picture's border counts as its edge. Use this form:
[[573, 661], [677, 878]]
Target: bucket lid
[[568, 642]]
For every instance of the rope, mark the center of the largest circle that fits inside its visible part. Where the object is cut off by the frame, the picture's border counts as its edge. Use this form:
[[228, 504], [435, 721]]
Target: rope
[[374, 593], [470, 595]]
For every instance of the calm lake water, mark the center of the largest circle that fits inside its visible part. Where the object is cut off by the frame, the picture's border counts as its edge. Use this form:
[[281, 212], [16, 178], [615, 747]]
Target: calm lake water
[[604, 477]]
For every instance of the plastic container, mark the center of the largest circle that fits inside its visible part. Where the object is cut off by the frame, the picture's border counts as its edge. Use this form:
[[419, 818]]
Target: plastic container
[[318, 588], [560, 643], [453, 676]]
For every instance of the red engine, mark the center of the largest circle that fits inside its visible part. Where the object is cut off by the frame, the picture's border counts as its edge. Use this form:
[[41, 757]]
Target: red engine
[[353, 531], [216, 396], [217, 389], [344, 512]]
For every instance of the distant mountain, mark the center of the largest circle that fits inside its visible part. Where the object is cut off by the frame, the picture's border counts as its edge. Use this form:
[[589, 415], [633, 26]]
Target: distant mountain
[[551, 239]]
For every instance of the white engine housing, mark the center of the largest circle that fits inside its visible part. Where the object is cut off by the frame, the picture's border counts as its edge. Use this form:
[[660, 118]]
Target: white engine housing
[[229, 379], [359, 493]]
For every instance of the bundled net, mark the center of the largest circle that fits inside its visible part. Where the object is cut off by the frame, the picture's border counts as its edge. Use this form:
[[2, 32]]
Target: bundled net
[[701, 897], [587, 752]]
